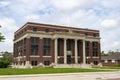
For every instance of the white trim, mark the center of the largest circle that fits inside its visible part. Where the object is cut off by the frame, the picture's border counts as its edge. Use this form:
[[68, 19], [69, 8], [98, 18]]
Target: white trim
[[105, 61], [52, 35], [113, 61], [95, 57], [47, 56], [34, 56]]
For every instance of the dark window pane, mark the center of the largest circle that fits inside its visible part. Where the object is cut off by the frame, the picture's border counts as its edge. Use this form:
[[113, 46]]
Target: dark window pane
[[34, 29], [47, 63], [46, 47], [46, 30]]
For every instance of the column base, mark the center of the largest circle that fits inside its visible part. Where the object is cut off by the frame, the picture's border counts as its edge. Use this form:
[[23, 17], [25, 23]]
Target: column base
[[100, 65], [40, 65], [28, 65]]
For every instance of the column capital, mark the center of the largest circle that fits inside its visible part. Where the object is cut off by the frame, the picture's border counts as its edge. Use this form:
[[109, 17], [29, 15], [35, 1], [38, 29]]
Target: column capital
[[28, 37]]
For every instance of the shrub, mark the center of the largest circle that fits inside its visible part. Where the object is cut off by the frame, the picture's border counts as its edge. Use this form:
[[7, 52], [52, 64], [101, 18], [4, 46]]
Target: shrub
[[4, 63]]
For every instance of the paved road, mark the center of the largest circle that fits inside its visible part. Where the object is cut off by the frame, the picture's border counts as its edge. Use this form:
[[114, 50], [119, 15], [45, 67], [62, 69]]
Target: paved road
[[67, 76]]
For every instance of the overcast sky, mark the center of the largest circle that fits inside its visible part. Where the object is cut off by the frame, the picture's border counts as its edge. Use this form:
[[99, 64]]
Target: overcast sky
[[103, 15]]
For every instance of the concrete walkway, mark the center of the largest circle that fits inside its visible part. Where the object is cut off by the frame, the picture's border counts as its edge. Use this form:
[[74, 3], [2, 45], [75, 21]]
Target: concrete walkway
[[67, 76]]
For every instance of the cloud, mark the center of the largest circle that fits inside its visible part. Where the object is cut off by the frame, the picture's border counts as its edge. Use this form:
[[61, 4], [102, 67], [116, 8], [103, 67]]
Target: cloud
[[71, 4], [94, 14], [8, 28], [109, 23], [4, 3], [32, 17]]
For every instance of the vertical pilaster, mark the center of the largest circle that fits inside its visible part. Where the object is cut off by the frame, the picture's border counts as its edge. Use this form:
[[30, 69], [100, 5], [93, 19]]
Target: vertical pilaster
[[84, 57], [28, 47], [65, 55], [76, 52], [40, 50], [91, 52], [99, 51]]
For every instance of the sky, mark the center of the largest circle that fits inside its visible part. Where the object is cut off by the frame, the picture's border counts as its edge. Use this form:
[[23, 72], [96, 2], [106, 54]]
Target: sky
[[103, 15]]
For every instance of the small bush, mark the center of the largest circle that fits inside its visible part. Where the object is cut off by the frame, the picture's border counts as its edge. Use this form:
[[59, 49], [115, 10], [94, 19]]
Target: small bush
[[4, 63]]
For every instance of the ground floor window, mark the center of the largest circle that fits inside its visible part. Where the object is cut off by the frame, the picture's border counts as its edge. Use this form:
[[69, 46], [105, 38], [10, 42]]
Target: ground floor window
[[47, 63], [95, 62], [87, 62], [34, 63]]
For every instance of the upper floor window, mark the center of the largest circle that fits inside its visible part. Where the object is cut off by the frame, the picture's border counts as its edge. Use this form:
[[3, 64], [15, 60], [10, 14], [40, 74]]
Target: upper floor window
[[34, 40], [95, 44], [34, 50], [46, 47], [46, 30], [46, 41], [69, 45], [86, 34], [87, 43], [34, 29], [94, 35]]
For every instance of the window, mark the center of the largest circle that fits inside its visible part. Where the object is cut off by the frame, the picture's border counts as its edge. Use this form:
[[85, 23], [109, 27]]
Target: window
[[69, 45], [87, 62], [94, 35], [57, 30], [34, 40], [46, 46], [24, 52], [34, 63], [86, 34], [95, 62], [95, 48], [34, 50], [24, 62], [87, 48], [46, 30], [47, 63], [34, 29]]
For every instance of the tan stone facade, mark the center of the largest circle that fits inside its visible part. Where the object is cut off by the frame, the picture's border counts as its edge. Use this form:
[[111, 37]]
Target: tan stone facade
[[43, 45]]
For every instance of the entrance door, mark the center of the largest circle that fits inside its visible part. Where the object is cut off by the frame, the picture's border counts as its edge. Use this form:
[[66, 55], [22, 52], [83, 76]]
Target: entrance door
[[68, 59]]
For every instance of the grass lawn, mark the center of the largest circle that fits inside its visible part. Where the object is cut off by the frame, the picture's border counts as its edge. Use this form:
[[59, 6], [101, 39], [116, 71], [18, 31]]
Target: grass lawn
[[10, 71], [108, 67]]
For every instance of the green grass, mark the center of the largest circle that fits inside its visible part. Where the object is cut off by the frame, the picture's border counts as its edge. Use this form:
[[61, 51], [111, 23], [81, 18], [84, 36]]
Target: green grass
[[108, 67], [10, 71]]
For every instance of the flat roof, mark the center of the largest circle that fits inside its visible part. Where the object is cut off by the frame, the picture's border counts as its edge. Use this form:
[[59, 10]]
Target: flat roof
[[67, 27]]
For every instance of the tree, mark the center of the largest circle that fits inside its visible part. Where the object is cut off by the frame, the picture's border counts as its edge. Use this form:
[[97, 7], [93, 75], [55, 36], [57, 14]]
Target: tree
[[6, 59], [1, 37], [7, 56]]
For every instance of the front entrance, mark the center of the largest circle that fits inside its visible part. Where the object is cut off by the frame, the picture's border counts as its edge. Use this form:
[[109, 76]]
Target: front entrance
[[68, 59]]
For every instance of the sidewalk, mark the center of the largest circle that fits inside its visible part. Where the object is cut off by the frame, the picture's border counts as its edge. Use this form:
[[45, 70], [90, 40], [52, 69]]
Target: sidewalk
[[66, 76]]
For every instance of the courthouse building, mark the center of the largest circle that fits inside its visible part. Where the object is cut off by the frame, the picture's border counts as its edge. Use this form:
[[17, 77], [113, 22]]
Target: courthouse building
[[41, 45]]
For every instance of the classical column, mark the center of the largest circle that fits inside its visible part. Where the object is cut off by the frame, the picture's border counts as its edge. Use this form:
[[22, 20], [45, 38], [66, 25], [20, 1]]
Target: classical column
[[76, 52], [84, 57], [56, 50], [65, 55]]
